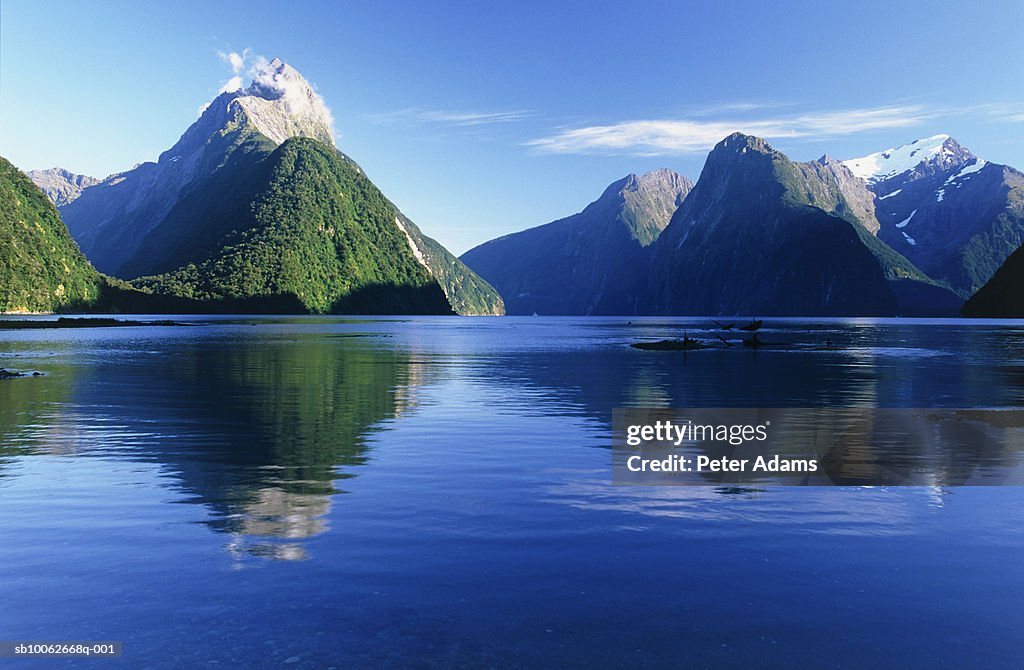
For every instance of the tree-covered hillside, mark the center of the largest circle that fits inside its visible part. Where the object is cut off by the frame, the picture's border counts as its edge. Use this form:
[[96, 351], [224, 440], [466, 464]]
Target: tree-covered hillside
[[301, 228], [41, 267]]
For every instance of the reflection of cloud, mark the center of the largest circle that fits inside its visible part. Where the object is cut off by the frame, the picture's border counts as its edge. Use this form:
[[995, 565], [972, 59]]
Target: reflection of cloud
[[682, 136], [275, 513], [826, 510], [239, 548], [279, 513]]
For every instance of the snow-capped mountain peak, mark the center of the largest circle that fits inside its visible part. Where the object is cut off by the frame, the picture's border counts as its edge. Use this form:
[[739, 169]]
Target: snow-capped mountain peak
[[941, 150]]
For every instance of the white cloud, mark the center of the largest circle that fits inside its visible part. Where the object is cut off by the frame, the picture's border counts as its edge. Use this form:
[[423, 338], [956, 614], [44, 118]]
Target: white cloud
[[473, 118], [683, 136], [234, 59], [1012, 112], [454, 118], [231, 85]]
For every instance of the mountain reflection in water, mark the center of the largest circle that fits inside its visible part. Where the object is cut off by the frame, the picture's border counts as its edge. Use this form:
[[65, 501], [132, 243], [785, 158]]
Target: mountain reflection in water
[[259, 431]]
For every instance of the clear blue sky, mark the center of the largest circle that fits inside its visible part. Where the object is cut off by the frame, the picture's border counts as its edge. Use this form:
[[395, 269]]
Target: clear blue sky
[[483, 118]]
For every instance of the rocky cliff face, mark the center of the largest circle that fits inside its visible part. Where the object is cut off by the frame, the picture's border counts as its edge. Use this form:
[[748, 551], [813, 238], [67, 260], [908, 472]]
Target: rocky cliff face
[[594, 262], [60, 185], [830, 185]]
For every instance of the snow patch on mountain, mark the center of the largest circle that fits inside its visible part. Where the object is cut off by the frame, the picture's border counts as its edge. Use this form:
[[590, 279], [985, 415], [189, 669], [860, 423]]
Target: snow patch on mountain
[[889, 195], [882, 165], [966, 171], [904, 222]]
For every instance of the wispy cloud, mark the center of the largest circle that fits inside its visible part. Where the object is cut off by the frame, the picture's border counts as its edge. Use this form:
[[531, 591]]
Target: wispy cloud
[[1012, 112], [453, 117], [653, 137], [236, 61]]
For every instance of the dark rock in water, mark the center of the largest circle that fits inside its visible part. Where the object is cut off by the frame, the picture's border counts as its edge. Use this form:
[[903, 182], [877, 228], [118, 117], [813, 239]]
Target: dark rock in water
[[685, 344], [10, 374], [755, 342]]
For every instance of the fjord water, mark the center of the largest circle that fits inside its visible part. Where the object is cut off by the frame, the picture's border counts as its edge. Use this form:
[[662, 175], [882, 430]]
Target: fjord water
[[436, 492]]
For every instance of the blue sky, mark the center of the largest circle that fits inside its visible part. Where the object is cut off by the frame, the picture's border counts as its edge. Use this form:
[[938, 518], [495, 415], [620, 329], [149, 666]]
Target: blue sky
[[483, 118]]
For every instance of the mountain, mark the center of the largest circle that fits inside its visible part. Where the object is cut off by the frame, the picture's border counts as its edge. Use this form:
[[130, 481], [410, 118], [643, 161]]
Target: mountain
[[111, 219], [254, 208], [61, 186], [955, 216], [761, 234], [593, 262], [41, 267], [305, 230]]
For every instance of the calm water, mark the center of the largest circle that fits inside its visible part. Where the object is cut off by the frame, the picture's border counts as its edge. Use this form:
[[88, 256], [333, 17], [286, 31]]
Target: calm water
[[436, 492]]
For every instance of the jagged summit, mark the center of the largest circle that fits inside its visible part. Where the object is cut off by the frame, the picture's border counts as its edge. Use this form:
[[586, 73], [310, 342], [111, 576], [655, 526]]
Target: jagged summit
[[282, 104], [940, 152], [278, 103], [741, 143], [644, 203]]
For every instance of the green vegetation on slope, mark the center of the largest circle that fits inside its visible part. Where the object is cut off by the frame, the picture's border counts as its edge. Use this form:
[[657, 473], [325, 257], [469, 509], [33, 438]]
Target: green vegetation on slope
[[41, 267], [468, 293], [312, 233]]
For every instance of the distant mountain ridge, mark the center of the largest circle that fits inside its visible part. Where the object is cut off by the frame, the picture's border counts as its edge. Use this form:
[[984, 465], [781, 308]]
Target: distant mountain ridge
[[60, 185], [43, 270], [935, 221], [593, 262]]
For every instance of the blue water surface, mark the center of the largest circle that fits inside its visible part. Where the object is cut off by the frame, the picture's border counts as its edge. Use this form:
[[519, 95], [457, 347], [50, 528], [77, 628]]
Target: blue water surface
[[436, 492]]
